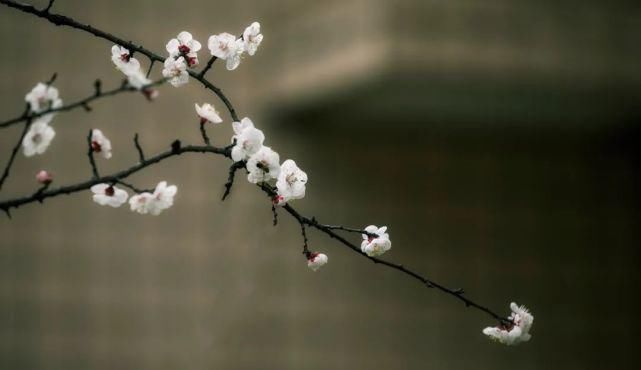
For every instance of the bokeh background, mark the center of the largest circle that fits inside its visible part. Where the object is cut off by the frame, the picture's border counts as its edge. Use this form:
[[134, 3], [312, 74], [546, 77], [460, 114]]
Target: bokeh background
[[498, 141]]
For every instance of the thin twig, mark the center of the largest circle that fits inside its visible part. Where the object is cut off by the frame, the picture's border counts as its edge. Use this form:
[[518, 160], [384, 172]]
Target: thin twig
[[230, 177], [82, 103], [132, 187], [350, 229], [12, 158], [151, 66], [141, 154], [90, 151], [52, 79], [97, 86], [49, 5], [275, 215], [203, 133], [305, 246], [208, 66]]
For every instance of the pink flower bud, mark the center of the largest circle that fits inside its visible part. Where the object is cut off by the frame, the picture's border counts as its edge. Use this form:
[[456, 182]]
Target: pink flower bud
[[150, 94], [44, 177], [315, 260]]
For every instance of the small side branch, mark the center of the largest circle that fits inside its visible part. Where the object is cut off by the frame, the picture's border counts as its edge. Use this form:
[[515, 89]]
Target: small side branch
[[97, 87], [82, 103], [347, 229], [90, 151], [230, 178], [14, 152], [131, 186], [203, 133], [141, 154], [46, 10], [151, 66], [210, 63], [305, 241], [275, 215]]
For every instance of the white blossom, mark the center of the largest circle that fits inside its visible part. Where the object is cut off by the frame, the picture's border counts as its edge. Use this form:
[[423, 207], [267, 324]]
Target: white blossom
[[123, 60], [225, 46], [176, 71], [109, 195], [184, 45], [100, 143], [375, 246], [263, 165], [517, 332], [140, 202], [316, 260], [138, 80], [42, 98], [248, 139], [252, 38], [291, 182], [38, 138], [208, 113], [161, 199]]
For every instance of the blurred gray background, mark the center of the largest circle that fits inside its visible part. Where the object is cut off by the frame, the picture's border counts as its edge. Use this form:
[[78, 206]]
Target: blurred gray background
[[498, 141]]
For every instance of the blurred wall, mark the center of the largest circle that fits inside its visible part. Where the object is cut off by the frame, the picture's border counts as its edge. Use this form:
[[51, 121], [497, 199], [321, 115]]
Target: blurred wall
[[498, 140]]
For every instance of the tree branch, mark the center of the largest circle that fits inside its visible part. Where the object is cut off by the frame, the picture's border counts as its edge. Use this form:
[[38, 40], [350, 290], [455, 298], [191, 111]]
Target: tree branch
[[70, 189], [178, 149], [61, 20], [12, 158], [82, 103]]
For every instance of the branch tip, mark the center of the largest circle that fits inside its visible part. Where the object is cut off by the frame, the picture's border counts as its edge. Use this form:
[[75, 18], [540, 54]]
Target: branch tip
[[141, 154], [97, 85], [175, 146], [46, 10], [52, 79]]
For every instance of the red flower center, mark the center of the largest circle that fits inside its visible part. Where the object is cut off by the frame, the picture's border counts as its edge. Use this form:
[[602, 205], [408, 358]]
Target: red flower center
[[125, 57], [109, 191], [95, 146], [184, 49], [277, 199]]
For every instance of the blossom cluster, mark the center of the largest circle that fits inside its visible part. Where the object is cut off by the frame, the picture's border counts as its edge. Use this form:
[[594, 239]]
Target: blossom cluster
[[42, 99], [518, 331], [183, 52], [109, 195], [130, 67], [143, 203]]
